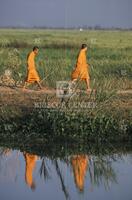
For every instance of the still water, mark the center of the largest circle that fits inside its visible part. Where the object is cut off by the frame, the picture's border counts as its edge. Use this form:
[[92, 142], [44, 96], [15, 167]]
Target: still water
[[25, 176]]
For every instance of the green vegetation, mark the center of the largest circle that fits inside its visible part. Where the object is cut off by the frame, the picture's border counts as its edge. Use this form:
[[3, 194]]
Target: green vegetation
[[99, 124], [109, 56]]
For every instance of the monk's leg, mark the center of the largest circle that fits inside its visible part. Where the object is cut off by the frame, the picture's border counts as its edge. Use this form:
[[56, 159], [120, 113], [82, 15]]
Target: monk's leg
[[40, 86], [88, 84], [25, 84], [74, 81]]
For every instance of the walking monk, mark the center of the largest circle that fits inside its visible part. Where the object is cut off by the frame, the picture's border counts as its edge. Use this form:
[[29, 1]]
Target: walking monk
[[32, 74], [81, 71]]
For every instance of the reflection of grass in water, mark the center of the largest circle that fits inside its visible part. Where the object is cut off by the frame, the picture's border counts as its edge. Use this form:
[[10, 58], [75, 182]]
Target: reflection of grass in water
[[103, 172], [100, 171], [100, 157], [100, 166], [44, 170]]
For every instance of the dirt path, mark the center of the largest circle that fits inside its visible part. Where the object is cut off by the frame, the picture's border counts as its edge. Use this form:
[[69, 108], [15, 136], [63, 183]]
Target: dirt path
[[124, 92], [18, 97], [6, 89]]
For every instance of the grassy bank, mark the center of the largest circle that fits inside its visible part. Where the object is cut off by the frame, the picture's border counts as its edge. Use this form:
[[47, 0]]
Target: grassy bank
[[68, 121]]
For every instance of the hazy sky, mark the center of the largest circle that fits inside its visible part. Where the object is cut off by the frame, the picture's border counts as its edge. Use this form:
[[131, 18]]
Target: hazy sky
[[66, 13]]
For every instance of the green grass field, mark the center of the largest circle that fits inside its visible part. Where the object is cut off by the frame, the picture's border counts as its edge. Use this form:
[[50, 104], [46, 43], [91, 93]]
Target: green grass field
[[109, 55]]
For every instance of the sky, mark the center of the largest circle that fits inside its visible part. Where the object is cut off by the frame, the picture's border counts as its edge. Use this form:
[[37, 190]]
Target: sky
[[66, 13]]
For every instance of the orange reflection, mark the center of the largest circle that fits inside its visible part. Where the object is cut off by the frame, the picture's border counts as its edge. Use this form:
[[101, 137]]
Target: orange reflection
[[80, 165], [30, 166]]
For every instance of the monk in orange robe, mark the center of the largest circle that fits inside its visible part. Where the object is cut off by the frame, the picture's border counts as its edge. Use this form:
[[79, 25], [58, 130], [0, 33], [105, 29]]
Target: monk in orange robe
[[81, 71], [32, 74], [80, 165], [30, 166]]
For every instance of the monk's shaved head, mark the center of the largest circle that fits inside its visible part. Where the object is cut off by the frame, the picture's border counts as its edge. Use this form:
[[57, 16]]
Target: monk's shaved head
[[35, 48], [84, 46]]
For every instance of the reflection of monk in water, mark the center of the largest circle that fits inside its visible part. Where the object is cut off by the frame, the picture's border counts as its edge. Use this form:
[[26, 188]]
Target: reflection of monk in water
[[79, 164], [30, 165]]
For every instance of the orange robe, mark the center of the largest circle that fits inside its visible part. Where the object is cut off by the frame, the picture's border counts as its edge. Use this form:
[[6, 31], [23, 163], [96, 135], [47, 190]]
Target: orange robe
[[32, 75], [30, 165], [79, 164], [82, 68]]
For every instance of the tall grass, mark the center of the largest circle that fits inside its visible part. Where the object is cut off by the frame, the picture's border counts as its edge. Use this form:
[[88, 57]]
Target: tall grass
[[109, 54]]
